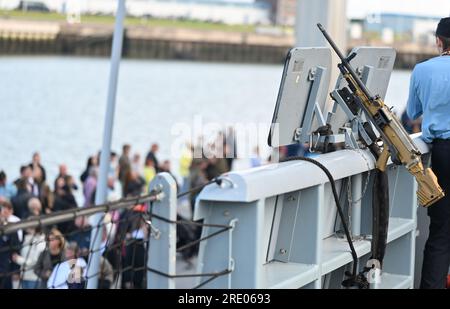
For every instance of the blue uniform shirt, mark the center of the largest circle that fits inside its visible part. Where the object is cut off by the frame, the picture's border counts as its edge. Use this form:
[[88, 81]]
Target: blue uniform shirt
[[429, 95]]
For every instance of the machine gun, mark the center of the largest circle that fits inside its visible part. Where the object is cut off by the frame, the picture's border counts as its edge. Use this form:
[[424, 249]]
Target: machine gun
[[396, 141]]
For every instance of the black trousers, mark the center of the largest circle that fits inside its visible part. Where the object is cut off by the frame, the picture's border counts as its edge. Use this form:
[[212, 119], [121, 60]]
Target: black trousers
[[436, 260], [134, 263]]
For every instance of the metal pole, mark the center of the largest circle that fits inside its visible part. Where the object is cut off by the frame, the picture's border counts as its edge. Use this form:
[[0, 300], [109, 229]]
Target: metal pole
[[101, 192]]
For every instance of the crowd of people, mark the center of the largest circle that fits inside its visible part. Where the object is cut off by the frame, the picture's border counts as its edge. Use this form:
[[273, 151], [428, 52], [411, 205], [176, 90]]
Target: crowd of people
[[28, 258], [40, 257]]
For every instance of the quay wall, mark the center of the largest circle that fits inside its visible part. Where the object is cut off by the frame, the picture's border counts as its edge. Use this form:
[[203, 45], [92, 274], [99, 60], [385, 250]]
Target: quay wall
[[55, 38]]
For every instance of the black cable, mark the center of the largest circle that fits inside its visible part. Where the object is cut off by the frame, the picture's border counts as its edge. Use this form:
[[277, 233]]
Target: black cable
[[187, 222], [196, 189], [338, 206], [193, 243]]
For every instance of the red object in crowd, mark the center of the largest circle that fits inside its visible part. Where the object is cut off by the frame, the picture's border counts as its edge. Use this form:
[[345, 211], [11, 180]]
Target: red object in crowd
[[448, 282], [140, 208]]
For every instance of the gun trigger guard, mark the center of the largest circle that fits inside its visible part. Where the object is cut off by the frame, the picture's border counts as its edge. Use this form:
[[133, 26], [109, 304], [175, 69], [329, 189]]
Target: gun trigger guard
[[382, 159]]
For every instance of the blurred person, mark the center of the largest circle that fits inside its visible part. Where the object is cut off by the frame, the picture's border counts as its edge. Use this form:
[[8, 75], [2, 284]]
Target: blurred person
[[36, 163], [124, 166], [9, 245], [149, 172], [113, 237], [89, 186], [91, 162], [82, 236], [136, 235], [45, 193], [6, 213], [26, 180], [112, 195], [20, 201], [186, 234], [429, 97], [255, 159], [25, 173], [133, 184], [166, 167], [70, 182], [64, 200], [70, 273], [152, 156], [216, 167], [36, 175], [32, 247], [62, 173], [78, 249], [7, 190], [108, 231], [50, 257], [34, 207], [136, 164], [197, 178], [38, 180], [113, 167], [106, 276], [185, 163]]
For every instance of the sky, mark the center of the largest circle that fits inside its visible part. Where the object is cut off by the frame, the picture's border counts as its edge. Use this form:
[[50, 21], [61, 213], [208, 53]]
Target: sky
[[360, 8]]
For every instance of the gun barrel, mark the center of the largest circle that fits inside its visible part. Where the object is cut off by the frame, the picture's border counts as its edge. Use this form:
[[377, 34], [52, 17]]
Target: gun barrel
[[345, 62], [330, 40]]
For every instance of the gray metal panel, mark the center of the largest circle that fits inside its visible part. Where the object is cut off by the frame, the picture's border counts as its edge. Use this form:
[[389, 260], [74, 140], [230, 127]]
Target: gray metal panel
[[294, 92], [290, 209], [380, 61], [247, 244], [399, 256], [306, 243], [402, 191], [271, 219]]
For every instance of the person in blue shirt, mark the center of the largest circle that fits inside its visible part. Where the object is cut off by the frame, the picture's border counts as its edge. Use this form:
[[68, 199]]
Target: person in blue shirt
[[429, 96], [7, 190]]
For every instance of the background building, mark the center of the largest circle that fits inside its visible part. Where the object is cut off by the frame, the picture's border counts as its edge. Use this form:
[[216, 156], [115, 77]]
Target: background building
[[401, 27], [282, 12]]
